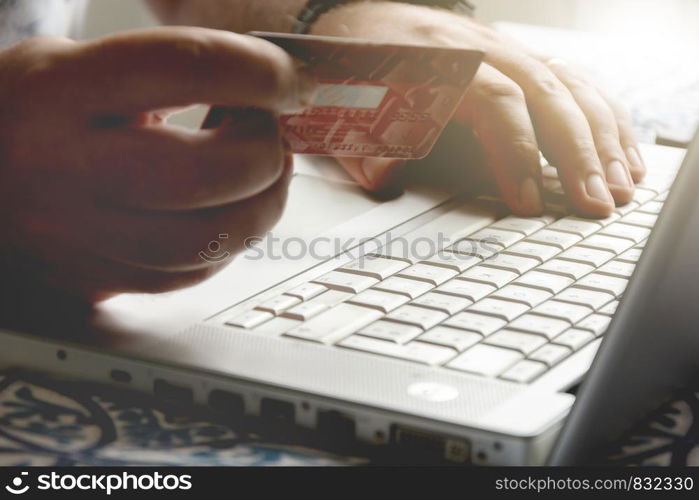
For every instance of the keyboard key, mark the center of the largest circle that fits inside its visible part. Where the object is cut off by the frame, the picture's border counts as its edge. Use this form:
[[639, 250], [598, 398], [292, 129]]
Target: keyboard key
[[537, 251], [562, 310], [250, 319], [383, 301], [633, 233], [430, 274], [626, 209], [484, 325], [488, 275], [485, 360], [496, 236], [631, 256], [641, 196], [278, 305], [409, 288], [375, 267], [450, 337], [576, 225], [523, 225], [306, 291], [595, 323], [617, 268], [390, 331], [522, 342], [277, 326], [499, 308], [604, 283], [610, 309], [330, 298], [555, 238], [418, 316], [544, 281], [524, 372], [540, 325], [524, 295], [344, 282], [469, 289], [640, 219], [305, 310], [455, 261], [513, 263], [574, 339], [334, 324], [481, 249], [652, 207], [594, 299], [572, 270], [605, 242], [590, 256], [450, 304], [419, 352], [551, 354]]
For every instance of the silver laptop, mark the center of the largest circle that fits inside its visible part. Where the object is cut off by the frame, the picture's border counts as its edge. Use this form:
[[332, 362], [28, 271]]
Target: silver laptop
[[430, 320]]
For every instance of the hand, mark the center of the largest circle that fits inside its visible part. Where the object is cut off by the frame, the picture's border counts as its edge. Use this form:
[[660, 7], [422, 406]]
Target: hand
[[99, 195], [517, 105]]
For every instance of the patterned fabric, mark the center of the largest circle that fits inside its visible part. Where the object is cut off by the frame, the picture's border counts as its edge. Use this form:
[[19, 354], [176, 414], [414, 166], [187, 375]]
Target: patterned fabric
[[46, 422], [50, 423], [21, 19]]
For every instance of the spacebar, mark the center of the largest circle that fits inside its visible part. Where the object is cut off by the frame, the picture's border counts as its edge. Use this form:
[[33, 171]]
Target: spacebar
[[335, 324]]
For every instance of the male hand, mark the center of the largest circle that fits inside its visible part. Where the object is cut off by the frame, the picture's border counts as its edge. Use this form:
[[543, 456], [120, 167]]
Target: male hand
[[516, 106], [99, 196]]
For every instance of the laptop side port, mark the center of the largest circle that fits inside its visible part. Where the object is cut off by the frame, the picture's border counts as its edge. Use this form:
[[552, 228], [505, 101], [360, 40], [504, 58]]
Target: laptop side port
[[227, 403], [336, 429], [428, 446], [279, 412], [172, 393]]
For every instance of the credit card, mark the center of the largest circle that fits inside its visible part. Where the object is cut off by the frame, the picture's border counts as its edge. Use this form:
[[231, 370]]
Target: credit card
[[374, 99]]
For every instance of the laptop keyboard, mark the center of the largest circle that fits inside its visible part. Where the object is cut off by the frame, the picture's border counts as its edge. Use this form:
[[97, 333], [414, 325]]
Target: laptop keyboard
[[510, 301]]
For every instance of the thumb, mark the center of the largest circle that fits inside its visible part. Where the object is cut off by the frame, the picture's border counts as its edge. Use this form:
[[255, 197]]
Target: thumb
[[380, 176]]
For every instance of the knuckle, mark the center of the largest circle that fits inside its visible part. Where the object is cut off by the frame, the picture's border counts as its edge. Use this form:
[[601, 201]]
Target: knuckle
[[525, 148], [550, 86], [500, 90]]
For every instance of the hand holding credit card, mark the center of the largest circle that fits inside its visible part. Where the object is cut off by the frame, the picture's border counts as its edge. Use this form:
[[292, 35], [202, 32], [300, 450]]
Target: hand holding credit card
[[374, 99]]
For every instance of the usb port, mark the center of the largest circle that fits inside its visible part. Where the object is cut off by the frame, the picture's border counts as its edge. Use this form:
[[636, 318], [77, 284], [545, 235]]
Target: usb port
[[430, 446]]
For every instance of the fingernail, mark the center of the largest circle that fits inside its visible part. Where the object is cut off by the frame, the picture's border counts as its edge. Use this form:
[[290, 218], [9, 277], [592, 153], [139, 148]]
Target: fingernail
[[618, 175], [597, 189], [530, 196], [635, 158]]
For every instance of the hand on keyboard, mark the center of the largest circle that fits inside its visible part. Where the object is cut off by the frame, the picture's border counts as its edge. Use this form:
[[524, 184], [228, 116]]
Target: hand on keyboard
[[517, 105]]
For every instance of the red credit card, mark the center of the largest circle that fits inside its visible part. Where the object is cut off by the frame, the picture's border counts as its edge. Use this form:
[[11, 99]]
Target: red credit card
[[375, 99]]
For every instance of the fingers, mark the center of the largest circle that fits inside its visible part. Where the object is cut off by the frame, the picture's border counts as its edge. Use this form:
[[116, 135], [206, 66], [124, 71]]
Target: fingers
[[173, 241], [177, 66], [165, 168], [496, 109], [629, 144], [563, 132], [381, 177], [604, 127]]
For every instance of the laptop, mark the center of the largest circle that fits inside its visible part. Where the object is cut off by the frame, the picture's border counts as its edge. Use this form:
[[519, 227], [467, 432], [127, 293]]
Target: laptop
[[434, 320]]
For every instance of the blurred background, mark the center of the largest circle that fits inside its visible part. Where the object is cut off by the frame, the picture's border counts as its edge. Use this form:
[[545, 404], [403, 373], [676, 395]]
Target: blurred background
[[645, 51]]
